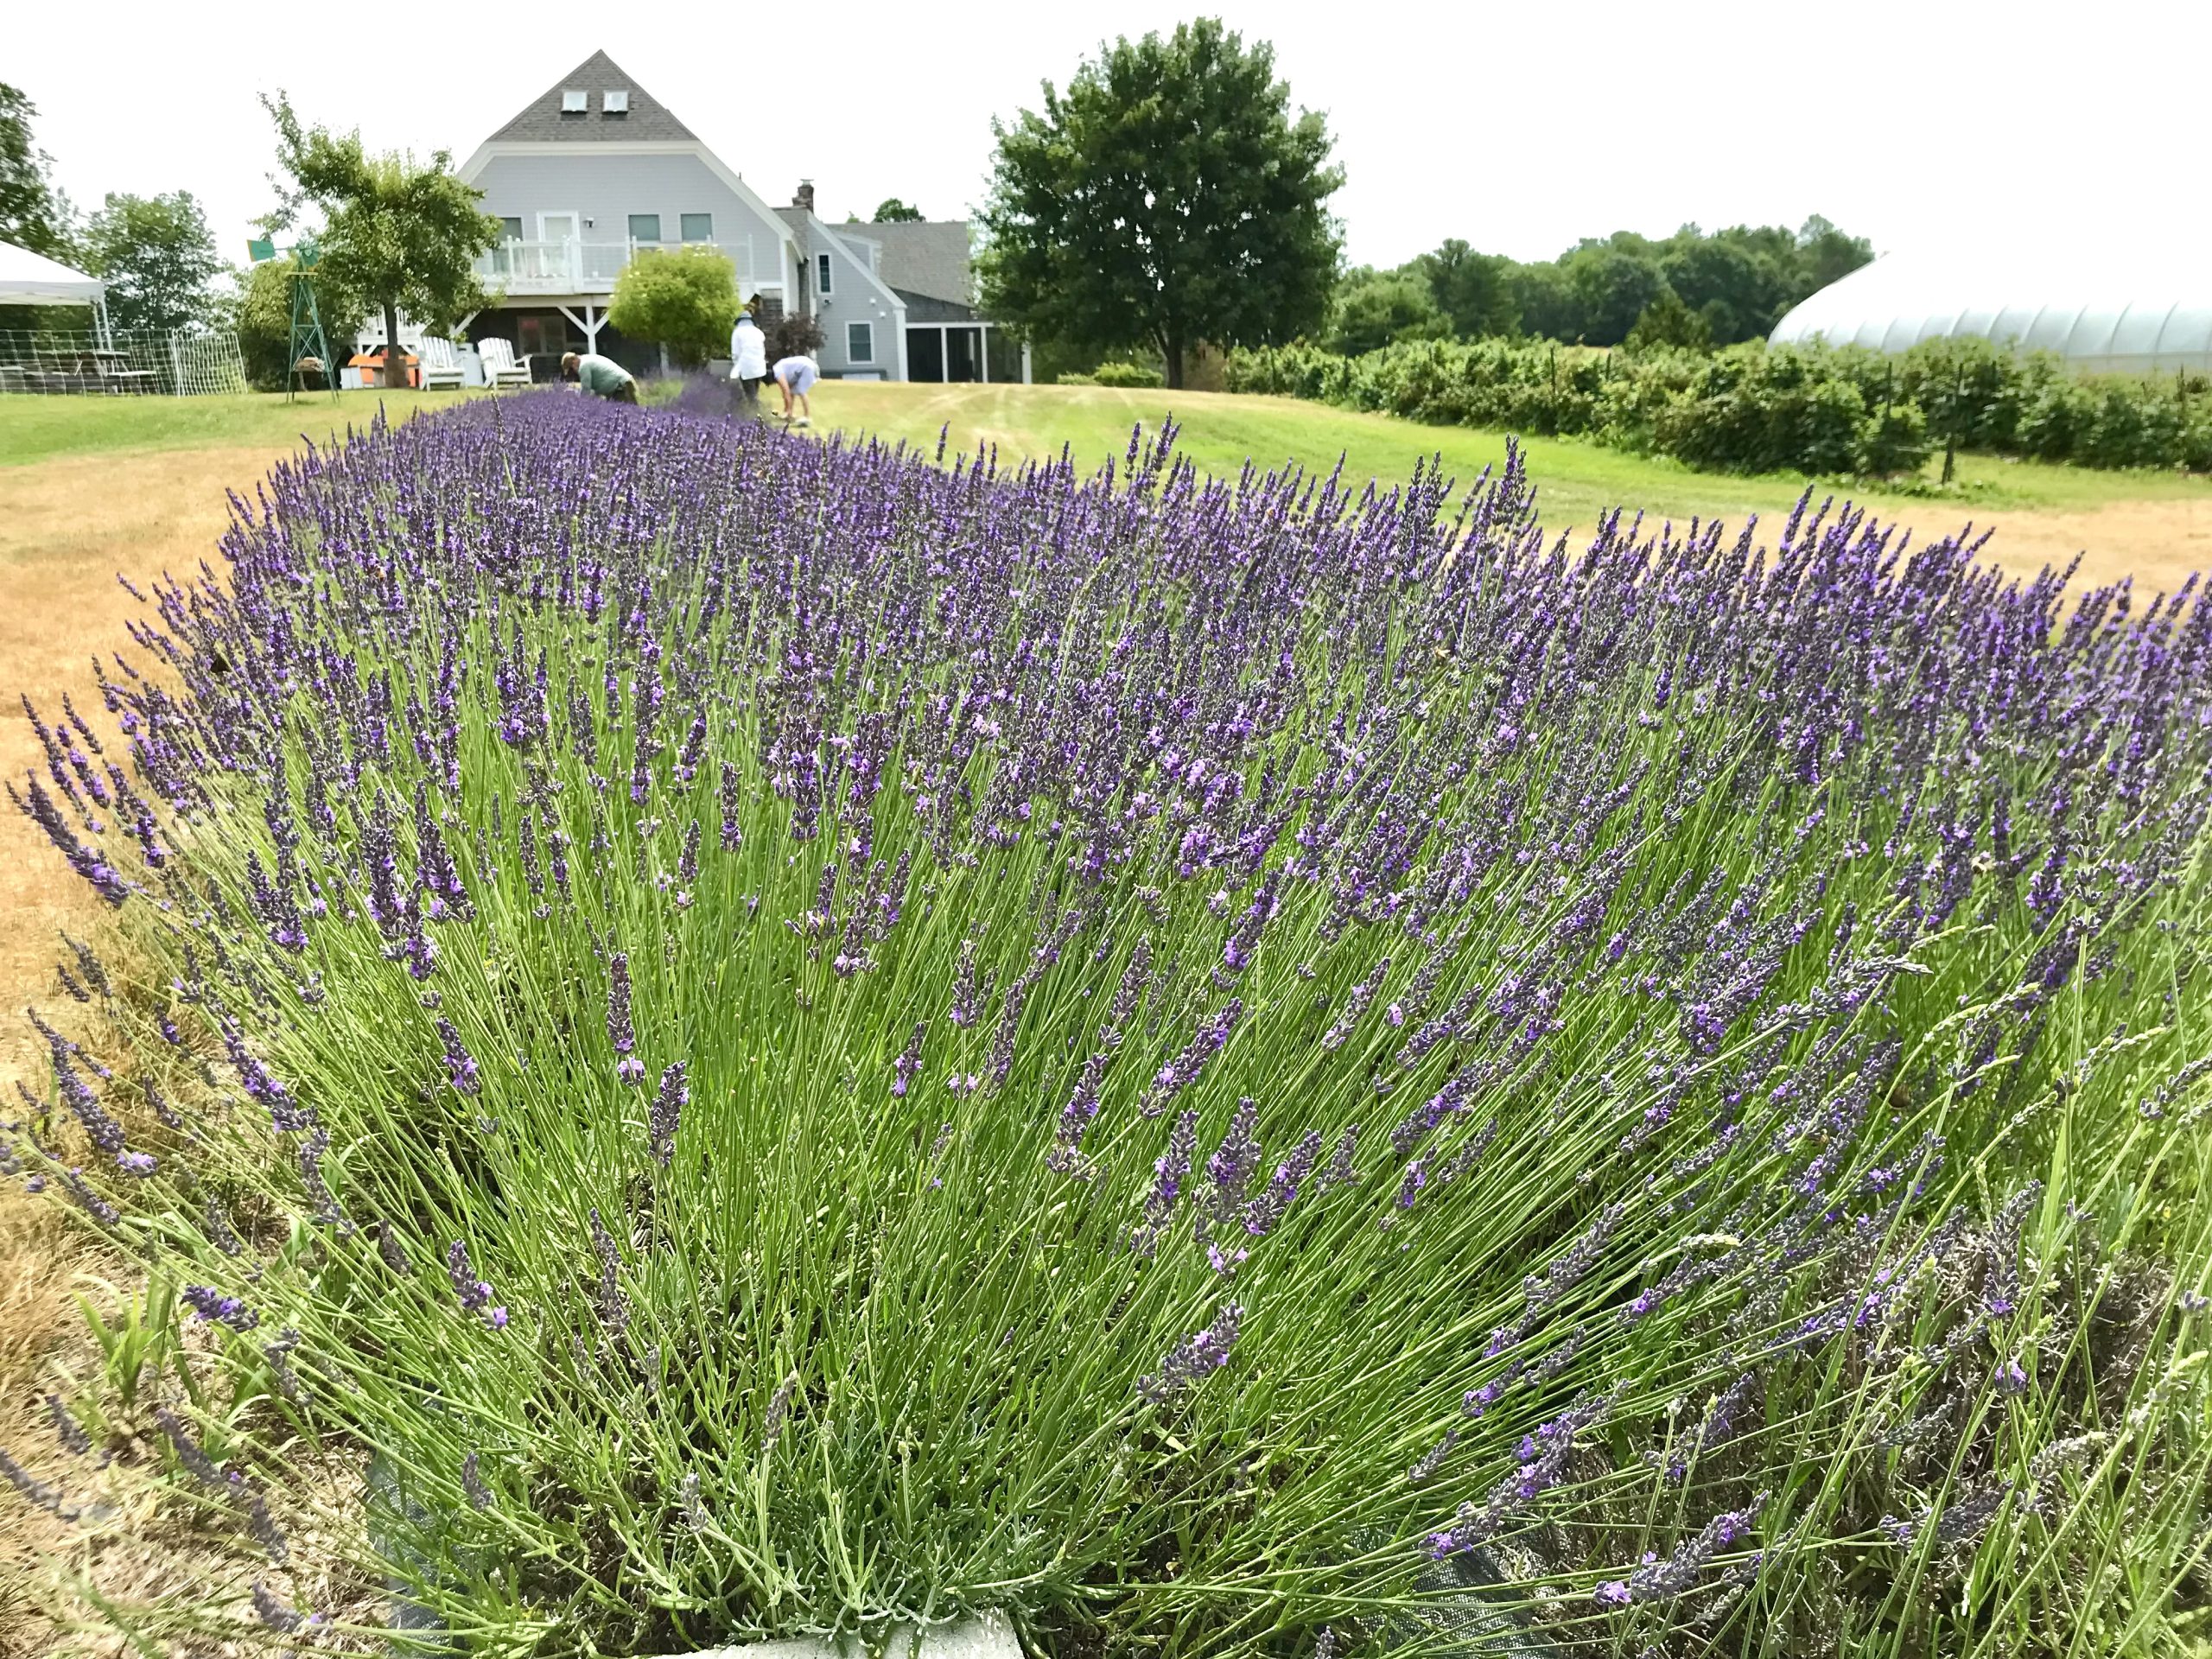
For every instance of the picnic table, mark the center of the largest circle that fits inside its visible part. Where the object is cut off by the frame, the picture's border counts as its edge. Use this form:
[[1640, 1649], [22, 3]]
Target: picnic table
[[92, 368]]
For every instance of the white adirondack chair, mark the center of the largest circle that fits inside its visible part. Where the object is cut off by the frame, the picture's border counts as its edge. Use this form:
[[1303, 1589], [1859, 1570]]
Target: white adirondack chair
[[440, 367], [500, 368]]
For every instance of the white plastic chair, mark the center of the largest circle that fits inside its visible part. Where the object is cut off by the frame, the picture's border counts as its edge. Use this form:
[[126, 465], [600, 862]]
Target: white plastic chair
[[500, 368], [440, 367]]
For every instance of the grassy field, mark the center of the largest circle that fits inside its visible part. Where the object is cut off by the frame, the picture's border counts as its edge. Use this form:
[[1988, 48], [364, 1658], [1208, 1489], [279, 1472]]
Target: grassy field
[[44, 428]]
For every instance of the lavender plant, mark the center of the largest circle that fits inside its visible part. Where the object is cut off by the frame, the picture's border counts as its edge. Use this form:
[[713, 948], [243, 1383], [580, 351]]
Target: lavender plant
[[1246, 1062]]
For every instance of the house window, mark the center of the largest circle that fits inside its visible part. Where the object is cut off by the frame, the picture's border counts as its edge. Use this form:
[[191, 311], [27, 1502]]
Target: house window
[[859, 342], [612, 102], [575, 100], [822, 274], [697, 228], [511, 230], [644, 227]]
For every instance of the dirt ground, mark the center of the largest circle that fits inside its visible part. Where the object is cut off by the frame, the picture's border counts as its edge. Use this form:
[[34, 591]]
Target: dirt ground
[[66, 527]]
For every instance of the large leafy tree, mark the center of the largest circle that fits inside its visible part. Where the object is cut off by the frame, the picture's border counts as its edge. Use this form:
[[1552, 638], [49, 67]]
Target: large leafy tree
[[1470, 289], [892, 211], [404, 237], [33, 213], [1169, 196], [157, 257]]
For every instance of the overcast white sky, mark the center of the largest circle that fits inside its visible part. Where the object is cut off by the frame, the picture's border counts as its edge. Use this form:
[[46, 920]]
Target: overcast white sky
[[1921, 124]]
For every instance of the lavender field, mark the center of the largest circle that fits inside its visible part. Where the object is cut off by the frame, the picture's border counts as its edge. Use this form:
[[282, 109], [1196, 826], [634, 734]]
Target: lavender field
[[794, 1034]]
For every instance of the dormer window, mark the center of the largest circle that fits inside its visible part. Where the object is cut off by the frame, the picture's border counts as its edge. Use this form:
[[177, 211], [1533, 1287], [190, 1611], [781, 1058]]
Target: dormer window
[[614, 101], [575, 100]]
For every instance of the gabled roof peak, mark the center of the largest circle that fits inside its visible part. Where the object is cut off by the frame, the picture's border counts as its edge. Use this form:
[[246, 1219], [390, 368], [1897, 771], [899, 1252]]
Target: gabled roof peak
[[542, 120]]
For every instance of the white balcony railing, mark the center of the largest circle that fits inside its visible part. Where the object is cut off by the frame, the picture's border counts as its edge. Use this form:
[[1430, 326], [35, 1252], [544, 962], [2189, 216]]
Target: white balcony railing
[[574, 266]]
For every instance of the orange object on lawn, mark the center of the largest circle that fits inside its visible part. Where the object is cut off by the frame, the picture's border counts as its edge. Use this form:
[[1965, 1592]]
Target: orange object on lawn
[[371, 364]]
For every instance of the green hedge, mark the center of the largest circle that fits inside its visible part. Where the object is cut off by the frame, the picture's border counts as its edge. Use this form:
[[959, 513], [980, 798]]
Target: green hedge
[[1755, 408]]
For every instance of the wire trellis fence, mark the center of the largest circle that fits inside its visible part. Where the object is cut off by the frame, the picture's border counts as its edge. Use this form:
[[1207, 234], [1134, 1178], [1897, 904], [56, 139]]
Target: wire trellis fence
[[125, 362]]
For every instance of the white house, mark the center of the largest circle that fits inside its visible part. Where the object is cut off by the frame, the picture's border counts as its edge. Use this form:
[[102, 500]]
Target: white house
[[596, 169]]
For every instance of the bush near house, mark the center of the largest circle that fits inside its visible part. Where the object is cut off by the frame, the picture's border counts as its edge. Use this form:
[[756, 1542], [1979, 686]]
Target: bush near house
[[685, 299], [1757, 408]]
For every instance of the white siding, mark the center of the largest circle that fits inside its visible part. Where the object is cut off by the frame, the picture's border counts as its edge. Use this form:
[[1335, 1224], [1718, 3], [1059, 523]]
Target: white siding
[[606, 189], [855, 296]]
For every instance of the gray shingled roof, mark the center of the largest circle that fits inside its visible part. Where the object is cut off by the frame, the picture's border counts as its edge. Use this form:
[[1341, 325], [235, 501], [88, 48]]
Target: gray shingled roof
[[542, 121], [925, 256]]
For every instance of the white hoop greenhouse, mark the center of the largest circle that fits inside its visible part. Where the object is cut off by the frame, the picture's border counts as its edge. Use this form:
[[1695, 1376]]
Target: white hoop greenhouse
[[2102, 316]]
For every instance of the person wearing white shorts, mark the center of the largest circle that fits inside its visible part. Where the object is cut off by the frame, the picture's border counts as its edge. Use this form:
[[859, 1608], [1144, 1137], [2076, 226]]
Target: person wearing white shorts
[[797, 376]]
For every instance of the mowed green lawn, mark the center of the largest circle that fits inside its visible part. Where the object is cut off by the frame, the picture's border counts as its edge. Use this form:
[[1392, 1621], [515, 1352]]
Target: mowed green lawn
[[42, 429], [1221, 432]]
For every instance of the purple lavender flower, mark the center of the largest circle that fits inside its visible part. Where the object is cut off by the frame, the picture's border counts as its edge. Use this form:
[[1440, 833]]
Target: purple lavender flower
[[666, 1113], [474, 1293], [460, 1066], [909, 1061], [1205, 1353], [211, 1305], [620, 1031]]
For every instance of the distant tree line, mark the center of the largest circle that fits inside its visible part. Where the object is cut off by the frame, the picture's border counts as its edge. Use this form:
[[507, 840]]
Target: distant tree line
[[1694, 288]]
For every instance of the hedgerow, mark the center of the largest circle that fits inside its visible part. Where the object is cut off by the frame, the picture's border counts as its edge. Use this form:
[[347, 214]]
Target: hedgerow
[[1755, 408], [793, 1036]]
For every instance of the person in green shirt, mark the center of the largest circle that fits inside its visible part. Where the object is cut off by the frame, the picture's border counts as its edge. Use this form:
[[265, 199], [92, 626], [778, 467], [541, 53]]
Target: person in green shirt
[[602, 376]]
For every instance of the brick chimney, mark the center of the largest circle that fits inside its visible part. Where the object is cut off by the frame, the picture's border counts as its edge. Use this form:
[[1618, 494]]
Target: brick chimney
[[804, 196]]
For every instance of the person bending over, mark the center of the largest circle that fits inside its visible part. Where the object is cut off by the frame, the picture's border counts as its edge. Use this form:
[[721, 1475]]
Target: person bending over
[[600, 376], [796, 377]]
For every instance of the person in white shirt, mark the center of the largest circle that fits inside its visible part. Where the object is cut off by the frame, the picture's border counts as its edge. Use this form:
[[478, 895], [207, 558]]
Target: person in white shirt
[[748, 359], [797, 376]]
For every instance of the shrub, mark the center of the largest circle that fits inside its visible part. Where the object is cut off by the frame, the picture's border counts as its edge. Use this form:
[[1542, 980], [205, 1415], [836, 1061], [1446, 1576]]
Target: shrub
[[1752, 408], [683, 298], [792, 335], [1127, 374], [797, 1034], [1072, 378]]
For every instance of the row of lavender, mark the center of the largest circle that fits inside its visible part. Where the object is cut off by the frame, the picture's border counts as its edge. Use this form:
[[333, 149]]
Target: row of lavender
[[795, 1035]]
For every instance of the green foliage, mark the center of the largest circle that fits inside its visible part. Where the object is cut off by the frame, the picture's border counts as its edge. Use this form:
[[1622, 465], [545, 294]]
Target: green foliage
[[1471, 290], [33, 213], [1667, 322], [404, 237], [157, 257], [683, 298], [1374, 307], [1125, 374], [792, 335], [1737, 281], [1075, 377], [262, 315], [1755, 408], [892, 211], [1168, 197]]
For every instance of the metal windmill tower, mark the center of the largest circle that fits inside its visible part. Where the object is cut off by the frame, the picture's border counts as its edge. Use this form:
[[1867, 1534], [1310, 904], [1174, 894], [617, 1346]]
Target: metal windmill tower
[[308, 343]]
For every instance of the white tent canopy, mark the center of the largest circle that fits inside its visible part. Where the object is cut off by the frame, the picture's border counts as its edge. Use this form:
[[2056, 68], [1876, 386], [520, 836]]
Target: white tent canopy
[[28, 278], [2104, 310]]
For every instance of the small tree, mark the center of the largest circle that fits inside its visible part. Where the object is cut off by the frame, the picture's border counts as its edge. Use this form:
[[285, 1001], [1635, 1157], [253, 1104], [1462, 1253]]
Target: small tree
[[793, 335], [1667, 322], [1169, 197], [157, 257], [892, 211], [401, 236], [685, 299]]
